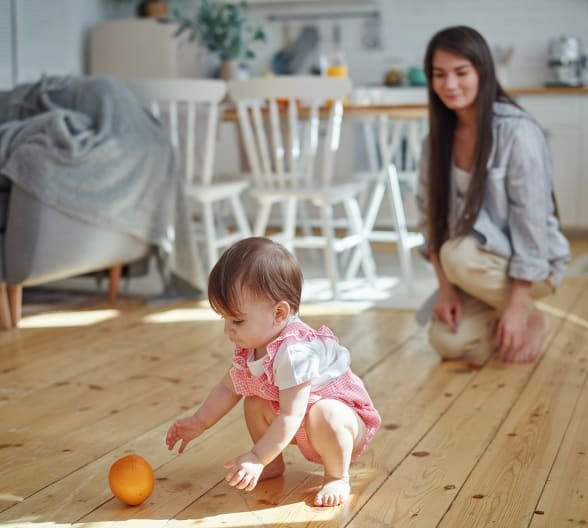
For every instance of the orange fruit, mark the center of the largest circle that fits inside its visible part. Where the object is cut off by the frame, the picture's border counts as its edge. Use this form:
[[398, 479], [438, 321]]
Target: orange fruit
[[131, 479]]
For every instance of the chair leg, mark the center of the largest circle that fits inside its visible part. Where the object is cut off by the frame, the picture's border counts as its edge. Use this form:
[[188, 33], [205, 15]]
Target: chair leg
[[114, 275], [330, 257], [363, 249], [262, 218], [353, 266], [400, 221], [289, 210], [210, 234], [375, 202], [5, 316], [240, 217], [15, 301], [304, 219]]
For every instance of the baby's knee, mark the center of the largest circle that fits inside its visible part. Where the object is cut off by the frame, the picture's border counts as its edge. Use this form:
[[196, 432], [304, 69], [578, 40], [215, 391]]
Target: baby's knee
[[329, 416], [323, 414], [446, 343], [253, 405]]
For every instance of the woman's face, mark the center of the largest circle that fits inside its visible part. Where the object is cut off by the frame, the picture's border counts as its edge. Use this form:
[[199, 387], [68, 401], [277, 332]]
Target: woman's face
[[455, 80]]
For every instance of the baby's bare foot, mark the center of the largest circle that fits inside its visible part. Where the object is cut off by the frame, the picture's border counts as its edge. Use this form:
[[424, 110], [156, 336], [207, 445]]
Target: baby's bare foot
[[539, 327], [275, 468], [333, 492]]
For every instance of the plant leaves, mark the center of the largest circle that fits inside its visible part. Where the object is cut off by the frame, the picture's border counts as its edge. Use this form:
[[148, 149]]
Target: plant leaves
[[220, 26]]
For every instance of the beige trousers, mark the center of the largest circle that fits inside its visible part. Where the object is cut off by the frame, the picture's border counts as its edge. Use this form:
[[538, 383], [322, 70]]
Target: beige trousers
[[484, 288]]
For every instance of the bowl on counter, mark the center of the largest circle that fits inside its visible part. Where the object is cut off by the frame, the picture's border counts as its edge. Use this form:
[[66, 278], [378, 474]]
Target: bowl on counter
[[394, 77], [416, 76]]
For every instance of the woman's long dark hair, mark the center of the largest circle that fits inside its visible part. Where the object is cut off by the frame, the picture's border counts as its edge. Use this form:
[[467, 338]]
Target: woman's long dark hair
[[469, 44]]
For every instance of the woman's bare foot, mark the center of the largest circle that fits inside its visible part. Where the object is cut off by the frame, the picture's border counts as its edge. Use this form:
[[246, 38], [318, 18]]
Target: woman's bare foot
[[333, 492], [275, 468], [539, 327]]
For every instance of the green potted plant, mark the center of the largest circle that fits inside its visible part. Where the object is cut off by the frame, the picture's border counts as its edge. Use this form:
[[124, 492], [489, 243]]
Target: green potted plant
[[222, 28]]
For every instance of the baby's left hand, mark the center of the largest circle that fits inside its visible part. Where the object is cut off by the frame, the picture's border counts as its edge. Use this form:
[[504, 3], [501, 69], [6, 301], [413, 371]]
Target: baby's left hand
[[244, 471]]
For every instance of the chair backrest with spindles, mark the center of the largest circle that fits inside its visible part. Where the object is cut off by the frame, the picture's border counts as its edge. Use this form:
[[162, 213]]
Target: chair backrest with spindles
[[181, 105], [291, 128]]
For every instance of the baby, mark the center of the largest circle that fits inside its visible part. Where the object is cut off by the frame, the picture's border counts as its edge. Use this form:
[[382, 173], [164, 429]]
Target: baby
[[297, 382]]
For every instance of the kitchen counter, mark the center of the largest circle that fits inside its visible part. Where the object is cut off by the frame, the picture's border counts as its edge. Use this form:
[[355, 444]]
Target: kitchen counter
[[549, 90], [407, 102], [416, 96]]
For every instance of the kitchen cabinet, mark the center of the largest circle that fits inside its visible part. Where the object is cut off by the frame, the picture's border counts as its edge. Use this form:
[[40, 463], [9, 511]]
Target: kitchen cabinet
[[564, 119]]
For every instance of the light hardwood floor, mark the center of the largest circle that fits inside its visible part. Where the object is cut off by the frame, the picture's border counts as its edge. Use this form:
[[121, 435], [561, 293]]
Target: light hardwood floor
[[460, 446]]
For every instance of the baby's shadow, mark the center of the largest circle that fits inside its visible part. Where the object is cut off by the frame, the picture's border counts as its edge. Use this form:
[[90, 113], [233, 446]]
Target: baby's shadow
[[285, 499]]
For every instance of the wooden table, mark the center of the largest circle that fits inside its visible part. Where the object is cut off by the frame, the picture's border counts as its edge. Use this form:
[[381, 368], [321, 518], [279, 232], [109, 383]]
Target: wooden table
[[392, 111]]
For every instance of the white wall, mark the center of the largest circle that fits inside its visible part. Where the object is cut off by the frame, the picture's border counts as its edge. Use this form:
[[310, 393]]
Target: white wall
[[46, 37], [53, 33], [407, 26], [6, 48]]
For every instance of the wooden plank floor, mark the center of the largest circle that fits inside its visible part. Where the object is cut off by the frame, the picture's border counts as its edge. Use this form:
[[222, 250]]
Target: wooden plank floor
[[461, 446]]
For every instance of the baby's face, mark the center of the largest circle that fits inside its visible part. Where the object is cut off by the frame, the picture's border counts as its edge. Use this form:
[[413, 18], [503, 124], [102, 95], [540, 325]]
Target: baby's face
[[256, 326]]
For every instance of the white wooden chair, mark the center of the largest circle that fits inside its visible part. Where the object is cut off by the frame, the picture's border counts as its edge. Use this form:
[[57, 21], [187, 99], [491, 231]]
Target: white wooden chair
[[393, 166], [189, 109], [291, 139]]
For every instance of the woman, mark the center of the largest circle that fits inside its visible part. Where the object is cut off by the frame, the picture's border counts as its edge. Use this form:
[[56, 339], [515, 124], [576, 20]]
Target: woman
[[486, 198]]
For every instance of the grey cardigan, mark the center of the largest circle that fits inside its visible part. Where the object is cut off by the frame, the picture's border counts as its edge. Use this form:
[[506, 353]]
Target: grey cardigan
[[517, 218]]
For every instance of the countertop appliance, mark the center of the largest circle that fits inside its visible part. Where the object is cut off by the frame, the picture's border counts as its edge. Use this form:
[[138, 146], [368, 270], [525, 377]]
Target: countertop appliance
[[566, 62]]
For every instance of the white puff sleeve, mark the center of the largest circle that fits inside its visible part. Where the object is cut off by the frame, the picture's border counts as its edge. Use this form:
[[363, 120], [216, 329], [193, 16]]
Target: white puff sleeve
[[318, 362]]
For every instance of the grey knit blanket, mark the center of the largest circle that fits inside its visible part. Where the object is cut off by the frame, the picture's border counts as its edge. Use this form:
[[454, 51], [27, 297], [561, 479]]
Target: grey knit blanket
[[85, 146]]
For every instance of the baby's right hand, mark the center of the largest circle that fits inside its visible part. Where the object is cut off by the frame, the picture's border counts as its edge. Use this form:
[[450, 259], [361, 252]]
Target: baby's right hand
[[185, 430]]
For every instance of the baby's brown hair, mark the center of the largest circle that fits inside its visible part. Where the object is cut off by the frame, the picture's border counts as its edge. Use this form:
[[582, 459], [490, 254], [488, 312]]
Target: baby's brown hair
[[259, 265]]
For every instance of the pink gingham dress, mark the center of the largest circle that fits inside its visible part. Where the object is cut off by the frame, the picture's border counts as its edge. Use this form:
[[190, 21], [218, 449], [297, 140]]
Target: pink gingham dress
[[347, 388]]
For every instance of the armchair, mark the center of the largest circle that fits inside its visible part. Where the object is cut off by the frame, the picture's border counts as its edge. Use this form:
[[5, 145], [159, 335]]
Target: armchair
[[89, 181], [39, 244]]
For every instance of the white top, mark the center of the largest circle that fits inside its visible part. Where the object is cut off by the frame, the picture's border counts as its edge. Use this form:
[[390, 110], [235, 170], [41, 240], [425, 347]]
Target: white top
[[318, 361], [462, 179]]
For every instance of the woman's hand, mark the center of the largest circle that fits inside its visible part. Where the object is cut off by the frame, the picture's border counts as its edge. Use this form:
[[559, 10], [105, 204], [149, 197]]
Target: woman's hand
[[512, 330], [244, 471], [185, 430], [447, 309]]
